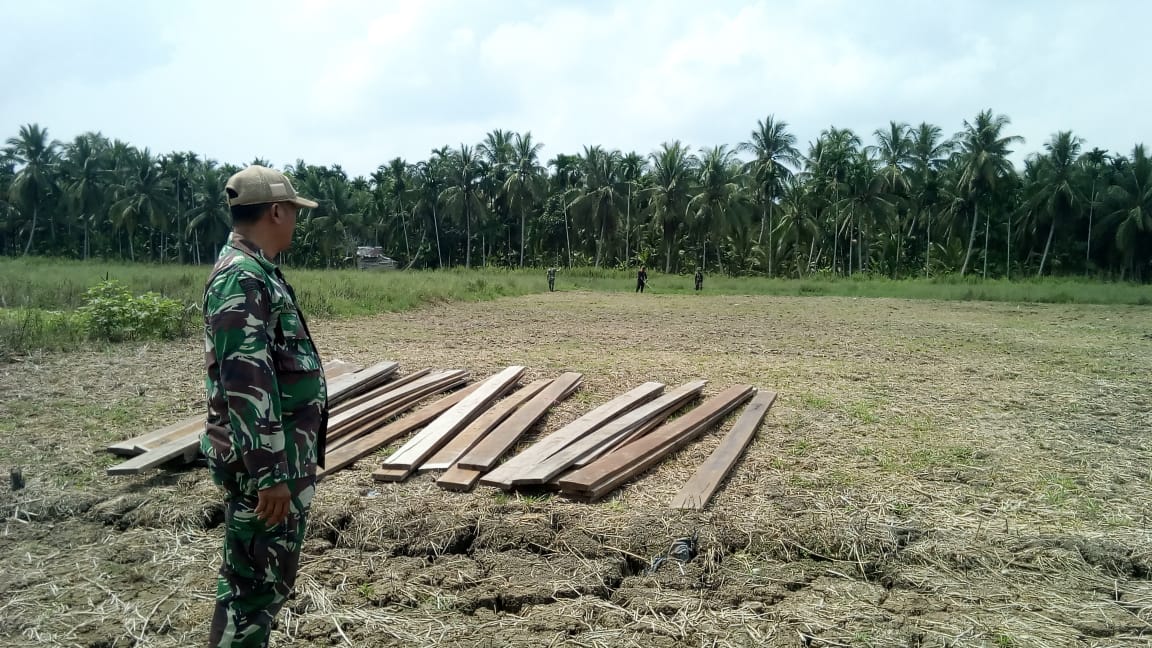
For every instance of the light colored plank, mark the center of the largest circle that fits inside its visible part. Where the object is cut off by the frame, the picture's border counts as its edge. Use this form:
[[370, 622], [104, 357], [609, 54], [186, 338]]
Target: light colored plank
[[351, 385], [508, 474], [488, 450], [481, 426], [417, 450], [704, 483], [391, 385]]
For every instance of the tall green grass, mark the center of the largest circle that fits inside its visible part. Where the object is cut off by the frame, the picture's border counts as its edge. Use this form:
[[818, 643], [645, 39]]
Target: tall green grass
[[50, 284]]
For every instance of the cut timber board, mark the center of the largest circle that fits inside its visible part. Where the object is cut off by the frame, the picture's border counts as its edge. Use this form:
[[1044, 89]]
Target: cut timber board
[[340, 424], [381, 416], [488, 451], [706, 481], [485, 423], [509, 473], [349, 386], [417, 450], [188, 445], [588, 447], [379, 391], [462, 478], [351, 451], [602, 476], [194, 424]]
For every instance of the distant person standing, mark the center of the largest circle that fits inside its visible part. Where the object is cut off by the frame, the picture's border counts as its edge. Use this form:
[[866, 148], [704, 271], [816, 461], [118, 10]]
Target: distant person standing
[[551, 279], [699, 279], [641, 279]]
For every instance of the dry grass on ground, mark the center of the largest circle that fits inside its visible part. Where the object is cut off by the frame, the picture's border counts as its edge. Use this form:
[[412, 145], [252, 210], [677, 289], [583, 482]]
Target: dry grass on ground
[[933, 474]]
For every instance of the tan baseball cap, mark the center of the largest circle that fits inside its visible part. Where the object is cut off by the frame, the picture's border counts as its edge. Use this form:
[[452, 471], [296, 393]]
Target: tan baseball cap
[[257, 185]]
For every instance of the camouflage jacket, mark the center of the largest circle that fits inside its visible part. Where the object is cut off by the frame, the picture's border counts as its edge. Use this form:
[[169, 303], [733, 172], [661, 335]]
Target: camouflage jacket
[[267, 398]]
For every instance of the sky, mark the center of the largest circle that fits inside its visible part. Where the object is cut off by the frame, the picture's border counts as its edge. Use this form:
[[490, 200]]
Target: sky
[[359, 82]]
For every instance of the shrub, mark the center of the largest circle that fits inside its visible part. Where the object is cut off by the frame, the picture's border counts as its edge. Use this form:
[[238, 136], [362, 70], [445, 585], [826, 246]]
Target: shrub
[[112, 313]]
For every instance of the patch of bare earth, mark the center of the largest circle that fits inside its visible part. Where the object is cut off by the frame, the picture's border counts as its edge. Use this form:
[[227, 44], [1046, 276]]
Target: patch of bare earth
[[933, 474]]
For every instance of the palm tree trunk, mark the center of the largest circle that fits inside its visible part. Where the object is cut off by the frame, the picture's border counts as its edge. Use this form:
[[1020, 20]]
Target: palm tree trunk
[[971, 240], [600, 243], [31, 230], [1008, 265], [987, 227], [567, 237], [928, 247], [1091, 212], [1047, 246], [522, 220], [436, 228], [628, 227], [771, 251], [467, 237], [763, 218]]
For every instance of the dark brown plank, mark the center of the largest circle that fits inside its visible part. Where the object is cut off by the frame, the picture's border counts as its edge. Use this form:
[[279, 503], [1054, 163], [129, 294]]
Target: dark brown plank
[[590, 446], [700, 488], [376, 423], [459, 479], [353, 450], [340, 424], [634, 458]]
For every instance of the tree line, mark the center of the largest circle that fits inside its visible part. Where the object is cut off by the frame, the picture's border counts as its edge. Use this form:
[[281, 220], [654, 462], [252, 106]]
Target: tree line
[[909, 202]]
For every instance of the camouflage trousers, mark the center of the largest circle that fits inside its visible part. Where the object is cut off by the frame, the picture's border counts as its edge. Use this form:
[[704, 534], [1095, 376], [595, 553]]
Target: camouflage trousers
[[260, 562]]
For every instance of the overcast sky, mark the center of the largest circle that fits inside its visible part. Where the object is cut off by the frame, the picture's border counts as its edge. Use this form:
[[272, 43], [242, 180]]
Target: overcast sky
[[360, 82]]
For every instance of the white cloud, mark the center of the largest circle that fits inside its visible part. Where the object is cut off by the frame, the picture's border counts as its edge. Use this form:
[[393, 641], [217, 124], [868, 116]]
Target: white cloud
[[358, 82]]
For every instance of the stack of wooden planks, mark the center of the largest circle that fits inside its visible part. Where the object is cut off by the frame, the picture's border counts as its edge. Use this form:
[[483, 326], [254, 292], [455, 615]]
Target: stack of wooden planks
[[359, 399], [464, 435]]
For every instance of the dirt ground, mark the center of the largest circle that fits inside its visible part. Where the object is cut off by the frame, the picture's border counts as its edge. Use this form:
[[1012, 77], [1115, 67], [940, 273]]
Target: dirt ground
[[933, 474]]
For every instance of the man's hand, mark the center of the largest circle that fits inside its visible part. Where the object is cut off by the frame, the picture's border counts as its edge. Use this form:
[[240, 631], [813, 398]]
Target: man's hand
[[274, 504]]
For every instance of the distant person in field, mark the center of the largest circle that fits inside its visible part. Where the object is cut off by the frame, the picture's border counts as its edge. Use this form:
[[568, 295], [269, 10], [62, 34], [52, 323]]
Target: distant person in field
[[551, 279], [267, 409], [699, 279], [641, 279]]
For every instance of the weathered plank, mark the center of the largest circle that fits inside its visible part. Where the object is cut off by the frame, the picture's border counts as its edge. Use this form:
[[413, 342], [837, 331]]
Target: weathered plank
[[382, 416], [194, 424], [704, 483], [587, 448], [488, 451], [343, 422], [481, 426], [391, 385], [436, 434], [509, 473], [459, 479], [188, 445], [351, 385], [604, 475], [351, 451]]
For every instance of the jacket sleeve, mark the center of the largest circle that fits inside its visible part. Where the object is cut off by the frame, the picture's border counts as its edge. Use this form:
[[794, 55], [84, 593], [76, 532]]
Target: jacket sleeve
[[237, 313]]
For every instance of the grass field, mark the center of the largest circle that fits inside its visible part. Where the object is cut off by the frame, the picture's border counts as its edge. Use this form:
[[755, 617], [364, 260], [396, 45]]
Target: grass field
[[933, 474]]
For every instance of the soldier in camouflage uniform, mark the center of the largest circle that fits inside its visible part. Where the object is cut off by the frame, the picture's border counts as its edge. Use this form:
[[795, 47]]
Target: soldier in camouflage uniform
[[267, 409], [551, 279]]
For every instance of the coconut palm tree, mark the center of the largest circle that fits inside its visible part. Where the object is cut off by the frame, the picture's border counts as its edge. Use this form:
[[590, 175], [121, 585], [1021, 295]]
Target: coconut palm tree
[[525, 183], [671, 190], [36, 157], [984, 151], [774, 156]]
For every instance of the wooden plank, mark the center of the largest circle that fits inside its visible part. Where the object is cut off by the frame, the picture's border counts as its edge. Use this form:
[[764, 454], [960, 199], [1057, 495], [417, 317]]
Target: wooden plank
[[481, 426], [602, 476], [438, 432], [351, 451], [382, 389], [194, 424], [187, 445], [590, 446], [459, 479], [700, 488], [351, 385], [391, 474], [339, 424], [508, 474], [484, 455], [374, 423], [462, 478]]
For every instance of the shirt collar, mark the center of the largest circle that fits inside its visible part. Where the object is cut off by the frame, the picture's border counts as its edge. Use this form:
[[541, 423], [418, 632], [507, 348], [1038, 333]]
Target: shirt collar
[[251, 249]]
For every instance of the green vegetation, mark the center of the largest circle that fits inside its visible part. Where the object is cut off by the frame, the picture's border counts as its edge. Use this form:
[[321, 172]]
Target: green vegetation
[[910, 202]]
